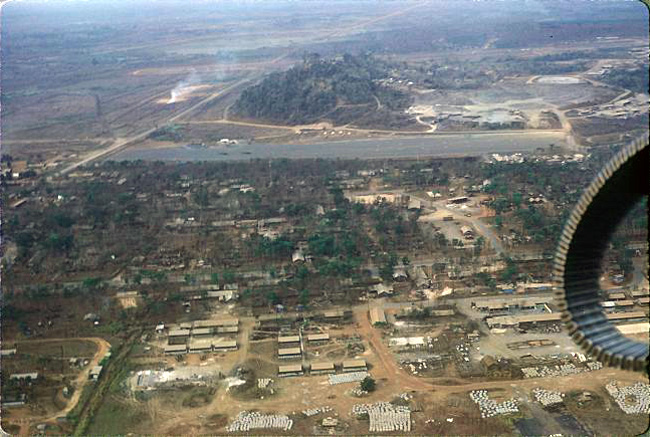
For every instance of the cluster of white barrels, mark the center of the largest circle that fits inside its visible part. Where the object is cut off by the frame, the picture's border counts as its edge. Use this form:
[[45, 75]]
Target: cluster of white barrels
[[347, 377], [633, 399], [490, 407], [246, 420], [548, 397], [385, 417], [546, 371], [314, 411]]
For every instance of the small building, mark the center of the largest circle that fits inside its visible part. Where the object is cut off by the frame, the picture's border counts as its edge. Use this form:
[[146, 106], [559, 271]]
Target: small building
[[288, 339], [330, 422], [497, 369], [227, 330], [322, 368], [24, 376], [617, 296], [624, 303], [202, 332], [414, 204], [468, 233], [175, 349], [354, 365], [298, 257], [640, 301], [458, 200], [292, 370], [7, 352], [289, 353], [223, 295], [443, 312], [18, 203], [18, 168], [178, 336], [382, 290], [630, 315], [95, 372], [492, 307], [399, 274], [640, 293], [215, 323], [224, 345], [316, 338], [608, 304], [11, 400], [377, 315], [333, 315], [199, 345]]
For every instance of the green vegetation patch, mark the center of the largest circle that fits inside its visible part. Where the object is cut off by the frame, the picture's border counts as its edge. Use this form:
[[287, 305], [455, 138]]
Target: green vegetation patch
[[341, 90]]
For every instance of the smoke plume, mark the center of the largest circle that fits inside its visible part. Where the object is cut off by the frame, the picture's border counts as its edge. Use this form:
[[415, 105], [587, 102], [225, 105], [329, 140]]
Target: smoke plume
[[184, 86]]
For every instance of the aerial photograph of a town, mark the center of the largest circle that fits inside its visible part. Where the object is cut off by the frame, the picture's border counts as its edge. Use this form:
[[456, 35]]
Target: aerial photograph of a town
[[310, 217]]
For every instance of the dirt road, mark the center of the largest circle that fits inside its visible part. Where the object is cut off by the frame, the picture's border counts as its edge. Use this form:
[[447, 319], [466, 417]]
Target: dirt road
[[400, 378], [79, 382]]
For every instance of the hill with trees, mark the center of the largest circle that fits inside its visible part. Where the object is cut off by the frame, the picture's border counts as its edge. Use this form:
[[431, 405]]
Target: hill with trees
[[342, 90]]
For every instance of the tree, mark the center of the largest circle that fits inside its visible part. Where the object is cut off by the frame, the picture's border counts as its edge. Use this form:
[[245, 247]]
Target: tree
[[273, 298], [201, 197], [228, 277], [368, 384], [304, 297], [405, 260]]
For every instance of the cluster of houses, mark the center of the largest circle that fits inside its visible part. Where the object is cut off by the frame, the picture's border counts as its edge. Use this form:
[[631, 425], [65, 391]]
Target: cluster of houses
[[290, 346], [322, 368], [199, 336]]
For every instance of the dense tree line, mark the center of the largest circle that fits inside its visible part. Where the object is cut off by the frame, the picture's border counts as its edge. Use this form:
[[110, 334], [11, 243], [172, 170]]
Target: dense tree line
[[312, 90], [632, 79]]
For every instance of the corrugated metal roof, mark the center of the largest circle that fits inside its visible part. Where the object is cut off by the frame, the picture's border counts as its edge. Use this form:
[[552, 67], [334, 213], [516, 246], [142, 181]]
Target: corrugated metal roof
[[322, 366], [318, 337], [290, 369], [377, 315], [354, 363]]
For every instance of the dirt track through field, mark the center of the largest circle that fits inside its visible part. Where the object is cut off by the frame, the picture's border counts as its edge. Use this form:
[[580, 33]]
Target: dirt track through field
[[79, 382]]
